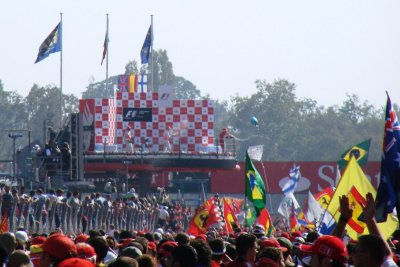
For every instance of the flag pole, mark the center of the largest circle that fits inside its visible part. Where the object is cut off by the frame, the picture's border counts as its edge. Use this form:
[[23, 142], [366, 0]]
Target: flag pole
[[107, 56], [61, 77], [151, 54], [246, 209], [266, 182]]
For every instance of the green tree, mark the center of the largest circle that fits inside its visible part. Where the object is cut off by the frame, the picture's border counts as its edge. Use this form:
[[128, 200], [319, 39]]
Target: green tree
[[162, 70], [185, 89], [43, 105], [12, 117], [266, 105], [131, 68], [354, 110], [298, 129], [98, 89], [163, 74]]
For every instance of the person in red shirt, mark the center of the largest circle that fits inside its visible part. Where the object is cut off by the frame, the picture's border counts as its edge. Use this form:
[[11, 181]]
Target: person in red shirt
[[222, 135], [127, 140]]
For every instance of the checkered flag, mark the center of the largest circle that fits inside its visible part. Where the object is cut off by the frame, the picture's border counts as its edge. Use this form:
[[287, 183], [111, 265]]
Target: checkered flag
[[216, 214]]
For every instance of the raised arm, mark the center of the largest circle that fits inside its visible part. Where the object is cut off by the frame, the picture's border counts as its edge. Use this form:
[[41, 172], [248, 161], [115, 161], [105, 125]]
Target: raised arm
[[369, 217], [346, 212]]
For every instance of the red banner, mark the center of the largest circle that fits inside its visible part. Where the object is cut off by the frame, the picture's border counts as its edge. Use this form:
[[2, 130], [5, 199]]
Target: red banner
[[315, 177]]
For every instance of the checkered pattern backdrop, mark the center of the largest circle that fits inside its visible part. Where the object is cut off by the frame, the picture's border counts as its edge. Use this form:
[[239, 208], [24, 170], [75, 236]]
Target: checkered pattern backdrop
[[192, 122], [104, 121]]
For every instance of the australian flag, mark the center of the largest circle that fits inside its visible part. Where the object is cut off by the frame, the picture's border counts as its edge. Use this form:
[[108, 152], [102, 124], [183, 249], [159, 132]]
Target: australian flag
[[148, 42], [388, 195], [51, 44]]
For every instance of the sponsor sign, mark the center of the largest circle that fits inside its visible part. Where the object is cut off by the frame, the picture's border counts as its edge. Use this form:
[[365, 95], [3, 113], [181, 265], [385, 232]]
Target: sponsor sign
[[165, 96], [137, 114], [315, 176]]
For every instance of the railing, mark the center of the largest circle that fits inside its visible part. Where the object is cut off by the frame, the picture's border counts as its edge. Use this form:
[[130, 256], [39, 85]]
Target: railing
[[230, 150], [47, 213]]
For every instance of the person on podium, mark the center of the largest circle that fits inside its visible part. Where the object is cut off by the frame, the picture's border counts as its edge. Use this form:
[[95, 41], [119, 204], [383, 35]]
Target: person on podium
[[127, 140]]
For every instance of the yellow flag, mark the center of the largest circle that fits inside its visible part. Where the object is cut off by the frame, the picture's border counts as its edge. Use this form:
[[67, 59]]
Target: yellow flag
[[355, 185]]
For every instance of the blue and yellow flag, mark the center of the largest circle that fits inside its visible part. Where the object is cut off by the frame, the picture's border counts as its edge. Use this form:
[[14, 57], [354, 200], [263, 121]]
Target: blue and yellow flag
[[51, 44], [255, 189], [148, 42]]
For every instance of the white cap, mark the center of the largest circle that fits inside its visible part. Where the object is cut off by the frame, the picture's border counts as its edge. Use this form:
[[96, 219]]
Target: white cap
[[22, 236], [157, 236], [159, 230]]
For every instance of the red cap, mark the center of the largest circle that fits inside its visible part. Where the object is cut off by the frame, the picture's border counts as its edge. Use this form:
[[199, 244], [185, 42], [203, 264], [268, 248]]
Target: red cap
[[272, 243], [85, 250], [166, 248], [152, 246], [38, 240], [285, 235], [125, 243], [73, 262], [296, 234], [202, 237], [82, 238], [59, 246], [328, 246], [266, 262]]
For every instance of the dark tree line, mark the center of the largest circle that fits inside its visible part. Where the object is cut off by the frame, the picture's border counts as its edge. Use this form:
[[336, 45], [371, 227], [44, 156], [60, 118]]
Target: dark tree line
[[294, 129]]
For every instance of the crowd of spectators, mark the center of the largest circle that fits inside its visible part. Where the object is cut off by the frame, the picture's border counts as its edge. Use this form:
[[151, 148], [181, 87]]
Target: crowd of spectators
[[124, 244]]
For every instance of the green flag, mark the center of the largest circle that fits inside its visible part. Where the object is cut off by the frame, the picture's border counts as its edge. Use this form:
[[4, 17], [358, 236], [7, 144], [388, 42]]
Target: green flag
[[251, 215], [360, 152], [255, 189]]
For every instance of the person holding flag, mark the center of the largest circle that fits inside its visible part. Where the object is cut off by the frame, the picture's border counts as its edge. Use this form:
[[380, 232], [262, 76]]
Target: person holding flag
[[255, 195], [355, 185], [223, 135], [371, 249], [289, 204]]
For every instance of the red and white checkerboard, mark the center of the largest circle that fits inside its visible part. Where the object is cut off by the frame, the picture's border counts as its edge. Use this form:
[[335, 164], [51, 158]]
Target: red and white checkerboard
[[192, 122], [104, 121]]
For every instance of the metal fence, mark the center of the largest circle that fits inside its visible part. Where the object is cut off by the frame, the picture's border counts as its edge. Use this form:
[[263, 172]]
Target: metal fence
[[47, 213]]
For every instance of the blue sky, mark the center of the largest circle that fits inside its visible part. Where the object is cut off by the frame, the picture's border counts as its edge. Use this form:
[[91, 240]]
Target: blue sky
[[327, 48]]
